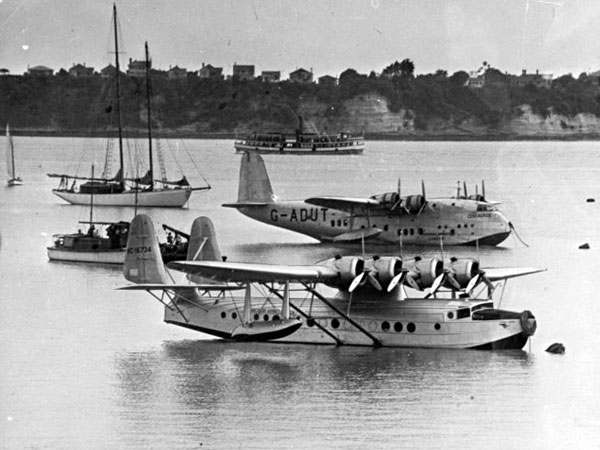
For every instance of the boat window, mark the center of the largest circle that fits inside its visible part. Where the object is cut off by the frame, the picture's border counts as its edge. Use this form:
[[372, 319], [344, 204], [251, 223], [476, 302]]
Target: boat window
[[223, 315], [335, 323], [398, 327], [450, 315], [339, 223], [411, 327], [266, 317], [234, 315], [275, 317], [385, 326], [437, 326], [385, 227], [452, 232], [412, 231], [256, 316], [462, 313], [405, 232], [333, 223], [420, 230], [399, 231]]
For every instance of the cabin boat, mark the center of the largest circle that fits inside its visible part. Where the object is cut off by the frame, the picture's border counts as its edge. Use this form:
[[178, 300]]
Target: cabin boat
[[301, 143]]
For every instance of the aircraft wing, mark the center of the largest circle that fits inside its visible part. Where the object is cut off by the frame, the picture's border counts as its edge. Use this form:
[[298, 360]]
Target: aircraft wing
[[253, 272], [343, 203], [503, 273]]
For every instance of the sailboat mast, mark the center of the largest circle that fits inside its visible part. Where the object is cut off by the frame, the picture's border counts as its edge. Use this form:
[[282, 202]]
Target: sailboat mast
[[11, 149], [92, 200], [118, 82], [149, 115]]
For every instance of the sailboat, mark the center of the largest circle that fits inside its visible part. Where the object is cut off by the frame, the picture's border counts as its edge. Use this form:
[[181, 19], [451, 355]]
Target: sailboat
[[13, 179], [118, 190]]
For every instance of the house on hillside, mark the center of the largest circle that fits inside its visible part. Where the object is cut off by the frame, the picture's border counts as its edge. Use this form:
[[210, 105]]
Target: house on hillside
[[476, 79], [327, 80], [242, 72], [301, 76], [209, 72], [40, 71], [537, 79], [176, 73], [108, 72], [137, 69], [270, 76], [79, 70]]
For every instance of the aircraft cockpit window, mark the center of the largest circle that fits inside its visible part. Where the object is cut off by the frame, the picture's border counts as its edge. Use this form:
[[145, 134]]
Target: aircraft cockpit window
[[482, 306], [486, 208]]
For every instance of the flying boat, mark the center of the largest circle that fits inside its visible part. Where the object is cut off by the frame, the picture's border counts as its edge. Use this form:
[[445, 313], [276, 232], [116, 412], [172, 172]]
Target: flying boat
[[345, 300], [385, 218]]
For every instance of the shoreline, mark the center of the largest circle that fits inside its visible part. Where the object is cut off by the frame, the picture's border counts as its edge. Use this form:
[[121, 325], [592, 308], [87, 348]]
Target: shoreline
[[175, 134]]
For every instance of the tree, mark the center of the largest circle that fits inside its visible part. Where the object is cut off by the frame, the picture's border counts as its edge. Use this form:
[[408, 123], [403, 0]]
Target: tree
[[407, 68]]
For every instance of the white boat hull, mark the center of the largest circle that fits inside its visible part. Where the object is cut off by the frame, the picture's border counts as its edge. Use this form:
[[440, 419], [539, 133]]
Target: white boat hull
[[15, 182], [356, 149], [168, 198], [116, 256], [396, 324]]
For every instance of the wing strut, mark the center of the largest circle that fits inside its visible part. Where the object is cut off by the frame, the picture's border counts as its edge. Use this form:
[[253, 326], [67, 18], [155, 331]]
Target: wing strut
[[306, 316], [376, 342]]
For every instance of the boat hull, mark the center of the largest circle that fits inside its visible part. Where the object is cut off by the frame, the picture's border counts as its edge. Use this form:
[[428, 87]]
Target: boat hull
[[396, 324], [166, 198], [116, 256], [353, 150], [15, 182]]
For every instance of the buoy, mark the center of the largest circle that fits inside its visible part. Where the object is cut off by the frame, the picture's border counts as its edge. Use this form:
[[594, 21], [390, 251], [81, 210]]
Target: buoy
[[557, 348], [590, 200], [585, 246]]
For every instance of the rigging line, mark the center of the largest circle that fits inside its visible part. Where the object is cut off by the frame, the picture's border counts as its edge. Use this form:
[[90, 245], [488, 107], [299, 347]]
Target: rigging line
[[194, 163]]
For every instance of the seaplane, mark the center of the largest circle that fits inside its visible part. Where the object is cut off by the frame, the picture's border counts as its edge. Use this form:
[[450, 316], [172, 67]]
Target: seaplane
[[351, 300], [383, 218]]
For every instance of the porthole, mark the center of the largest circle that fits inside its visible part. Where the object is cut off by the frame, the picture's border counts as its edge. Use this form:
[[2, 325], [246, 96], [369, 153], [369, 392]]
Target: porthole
[[223, 315], [437, 326], [450, 315], [385, 326], [398, 327], [310, 322], [256, 316], [335, 323], [411, 327], [275, 317], [234, 315], [266, 317]]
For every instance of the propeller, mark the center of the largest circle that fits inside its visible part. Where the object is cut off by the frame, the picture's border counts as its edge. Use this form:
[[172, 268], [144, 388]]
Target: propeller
[[465, 189], [362, 278], [399, 201]]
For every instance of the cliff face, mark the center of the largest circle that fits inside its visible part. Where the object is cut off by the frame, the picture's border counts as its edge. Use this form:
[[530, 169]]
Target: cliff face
[[421, 108]]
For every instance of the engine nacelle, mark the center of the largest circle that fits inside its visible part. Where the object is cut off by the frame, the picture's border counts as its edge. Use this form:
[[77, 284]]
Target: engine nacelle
[[348, 269], [414, 203], [424, 270], [463, 270], [384, 268], [389, 199]]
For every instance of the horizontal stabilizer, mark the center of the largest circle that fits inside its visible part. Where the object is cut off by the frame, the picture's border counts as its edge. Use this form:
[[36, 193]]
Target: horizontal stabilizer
[[179, 287], [343, 203], [253, 272], [356, 235], [503, 273], [243, 204]]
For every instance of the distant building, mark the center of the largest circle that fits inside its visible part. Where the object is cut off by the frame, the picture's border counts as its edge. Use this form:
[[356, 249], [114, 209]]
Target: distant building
[[537, 79], [301, 76], [270, 76], [79, 70], [476, 80], [327, 80], [40, 71], [4, 72], [108, 72], [209, 72], [137, 69], [176, 73], [243, 72]]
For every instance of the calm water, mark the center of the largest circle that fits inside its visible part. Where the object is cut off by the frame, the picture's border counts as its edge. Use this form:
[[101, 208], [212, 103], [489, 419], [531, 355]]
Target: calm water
[[86, 366]]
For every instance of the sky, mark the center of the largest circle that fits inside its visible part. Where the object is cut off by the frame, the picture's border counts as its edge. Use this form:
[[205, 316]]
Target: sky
[[327, 36]]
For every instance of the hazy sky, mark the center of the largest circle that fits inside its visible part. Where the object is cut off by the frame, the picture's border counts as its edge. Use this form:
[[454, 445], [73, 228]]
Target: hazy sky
[[329, 36]]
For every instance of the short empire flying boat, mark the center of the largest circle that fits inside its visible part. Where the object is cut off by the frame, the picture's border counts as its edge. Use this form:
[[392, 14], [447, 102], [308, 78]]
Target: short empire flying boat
[[370, 305], [385, 218]]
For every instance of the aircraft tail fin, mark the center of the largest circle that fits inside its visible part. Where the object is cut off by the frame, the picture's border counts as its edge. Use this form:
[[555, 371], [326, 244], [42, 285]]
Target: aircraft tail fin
[[255, 185], [143, 260], [203, 246]]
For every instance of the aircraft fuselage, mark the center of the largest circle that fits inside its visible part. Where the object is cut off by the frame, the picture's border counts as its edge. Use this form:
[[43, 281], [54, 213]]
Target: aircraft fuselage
[[456, 221]]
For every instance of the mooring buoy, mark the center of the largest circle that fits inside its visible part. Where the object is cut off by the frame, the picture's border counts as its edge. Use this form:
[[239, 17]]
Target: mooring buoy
[[557, 348]]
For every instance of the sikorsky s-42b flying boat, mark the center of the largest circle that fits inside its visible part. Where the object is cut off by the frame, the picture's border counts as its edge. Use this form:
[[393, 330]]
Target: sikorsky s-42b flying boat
[[382, 219], [377, 301]]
